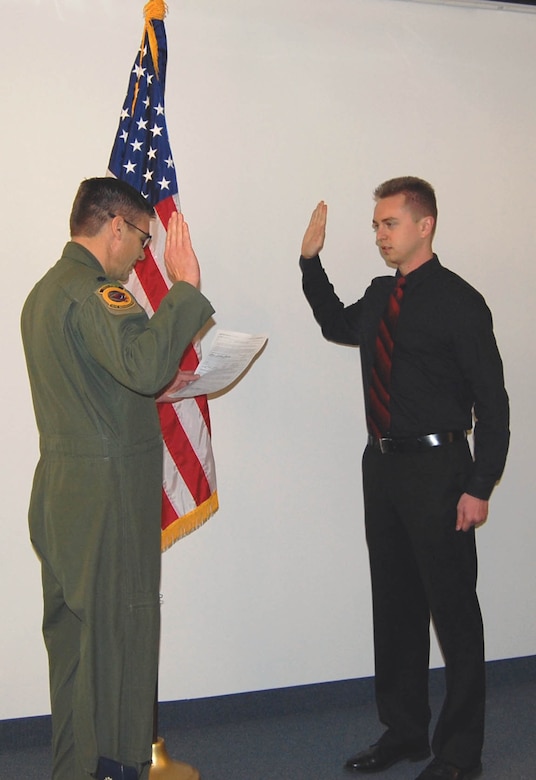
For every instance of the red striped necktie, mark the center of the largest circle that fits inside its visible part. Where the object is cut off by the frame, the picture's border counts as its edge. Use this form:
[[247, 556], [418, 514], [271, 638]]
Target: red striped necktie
[[379, 414]]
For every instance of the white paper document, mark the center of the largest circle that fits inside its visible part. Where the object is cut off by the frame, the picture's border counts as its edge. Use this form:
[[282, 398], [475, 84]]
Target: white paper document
[[229, 356]]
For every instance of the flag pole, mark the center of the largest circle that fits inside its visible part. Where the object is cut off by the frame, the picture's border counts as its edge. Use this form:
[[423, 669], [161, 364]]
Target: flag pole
[[141, 156], [163, 767]]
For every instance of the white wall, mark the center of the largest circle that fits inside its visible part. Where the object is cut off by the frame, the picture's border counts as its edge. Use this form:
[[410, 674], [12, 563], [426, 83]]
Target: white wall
[[272, 106]]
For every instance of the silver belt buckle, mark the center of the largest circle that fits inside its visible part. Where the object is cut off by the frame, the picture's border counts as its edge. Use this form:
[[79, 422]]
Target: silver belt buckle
[[384, 445]]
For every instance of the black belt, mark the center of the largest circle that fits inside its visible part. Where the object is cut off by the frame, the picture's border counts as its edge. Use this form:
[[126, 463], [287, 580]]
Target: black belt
[[415, 443]]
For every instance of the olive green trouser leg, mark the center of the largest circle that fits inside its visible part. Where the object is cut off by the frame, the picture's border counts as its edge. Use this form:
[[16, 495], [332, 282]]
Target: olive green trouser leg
[[61, 629]]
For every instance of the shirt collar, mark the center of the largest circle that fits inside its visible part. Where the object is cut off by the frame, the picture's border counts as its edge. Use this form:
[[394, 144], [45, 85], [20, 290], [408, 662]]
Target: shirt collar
[[422, 272]]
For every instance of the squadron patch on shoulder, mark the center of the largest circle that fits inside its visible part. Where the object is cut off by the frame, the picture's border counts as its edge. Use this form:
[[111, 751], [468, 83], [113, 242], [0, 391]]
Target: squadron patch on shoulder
[[117, 300]]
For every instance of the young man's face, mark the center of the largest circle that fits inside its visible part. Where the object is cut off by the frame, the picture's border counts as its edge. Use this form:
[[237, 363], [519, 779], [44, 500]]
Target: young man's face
[[403, 241]]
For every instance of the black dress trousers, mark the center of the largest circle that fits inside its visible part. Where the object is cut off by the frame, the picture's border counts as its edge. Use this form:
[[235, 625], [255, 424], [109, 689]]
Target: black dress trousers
[[421, 567]]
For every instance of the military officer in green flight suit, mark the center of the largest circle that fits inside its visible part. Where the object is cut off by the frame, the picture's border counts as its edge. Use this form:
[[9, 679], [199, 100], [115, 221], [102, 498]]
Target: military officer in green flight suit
[[96, 364]]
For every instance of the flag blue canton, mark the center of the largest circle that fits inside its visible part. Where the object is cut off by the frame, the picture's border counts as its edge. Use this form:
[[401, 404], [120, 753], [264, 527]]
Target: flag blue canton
[[141, 154]]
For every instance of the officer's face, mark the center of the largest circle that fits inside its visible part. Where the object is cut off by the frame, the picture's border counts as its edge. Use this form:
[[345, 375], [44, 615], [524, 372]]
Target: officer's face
[[131, 249]]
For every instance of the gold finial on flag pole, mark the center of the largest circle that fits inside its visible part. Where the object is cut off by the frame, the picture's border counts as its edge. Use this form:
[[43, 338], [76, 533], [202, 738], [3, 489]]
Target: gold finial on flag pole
[[154, 9]]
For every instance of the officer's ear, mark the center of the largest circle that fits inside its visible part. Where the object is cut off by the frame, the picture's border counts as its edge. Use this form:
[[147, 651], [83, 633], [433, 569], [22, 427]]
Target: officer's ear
[[117, 227]]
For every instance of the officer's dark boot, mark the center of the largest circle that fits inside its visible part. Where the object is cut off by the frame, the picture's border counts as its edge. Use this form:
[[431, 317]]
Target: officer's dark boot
[[112, 770]]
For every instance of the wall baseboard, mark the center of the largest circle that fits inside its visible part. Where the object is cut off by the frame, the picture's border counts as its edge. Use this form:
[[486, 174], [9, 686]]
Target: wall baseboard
[[20, 733]]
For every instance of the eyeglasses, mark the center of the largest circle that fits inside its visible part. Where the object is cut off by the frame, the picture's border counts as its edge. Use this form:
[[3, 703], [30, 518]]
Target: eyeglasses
[[147, 236]]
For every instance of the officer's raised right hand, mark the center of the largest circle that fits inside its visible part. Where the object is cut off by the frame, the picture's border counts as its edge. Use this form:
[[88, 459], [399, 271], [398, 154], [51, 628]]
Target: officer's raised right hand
[[180, 259]]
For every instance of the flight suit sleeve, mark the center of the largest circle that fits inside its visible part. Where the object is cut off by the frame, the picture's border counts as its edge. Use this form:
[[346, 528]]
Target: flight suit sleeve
[[141, 353]]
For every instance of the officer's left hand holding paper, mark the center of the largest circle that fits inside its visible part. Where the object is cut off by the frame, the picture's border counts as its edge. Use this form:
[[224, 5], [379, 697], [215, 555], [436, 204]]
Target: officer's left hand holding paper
[[230, 355], [180, 380]]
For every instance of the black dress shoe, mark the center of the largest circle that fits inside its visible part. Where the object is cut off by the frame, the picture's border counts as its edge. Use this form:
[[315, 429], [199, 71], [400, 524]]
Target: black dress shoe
[[378, 757], [440, 770], [113, 770]]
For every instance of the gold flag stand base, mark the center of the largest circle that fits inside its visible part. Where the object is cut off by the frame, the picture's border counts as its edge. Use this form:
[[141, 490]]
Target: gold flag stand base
[[164, 768]]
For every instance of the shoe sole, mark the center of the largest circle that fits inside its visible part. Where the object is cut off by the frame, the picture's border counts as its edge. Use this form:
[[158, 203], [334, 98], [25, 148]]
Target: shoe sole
[[473, 774], [413, 757]]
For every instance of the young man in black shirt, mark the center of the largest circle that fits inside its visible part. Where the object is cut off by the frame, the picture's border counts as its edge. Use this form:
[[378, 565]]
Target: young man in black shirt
[[430, 366]]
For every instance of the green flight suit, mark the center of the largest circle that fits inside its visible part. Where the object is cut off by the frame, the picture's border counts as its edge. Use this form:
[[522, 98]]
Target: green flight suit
[[95, 362]]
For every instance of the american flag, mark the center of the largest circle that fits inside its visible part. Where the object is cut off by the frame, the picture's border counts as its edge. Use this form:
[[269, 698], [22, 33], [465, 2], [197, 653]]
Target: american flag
[[141, 156]]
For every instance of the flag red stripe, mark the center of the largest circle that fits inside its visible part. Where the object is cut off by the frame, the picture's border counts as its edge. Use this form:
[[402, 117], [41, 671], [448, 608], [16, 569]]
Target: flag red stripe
[[148, 272], [165, 209], [169, 514], [202, 403], [183, 454], [189, 360], [152, 281]]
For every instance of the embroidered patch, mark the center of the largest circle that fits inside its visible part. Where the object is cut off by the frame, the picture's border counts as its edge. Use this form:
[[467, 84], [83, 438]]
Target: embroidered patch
[[117, 299]]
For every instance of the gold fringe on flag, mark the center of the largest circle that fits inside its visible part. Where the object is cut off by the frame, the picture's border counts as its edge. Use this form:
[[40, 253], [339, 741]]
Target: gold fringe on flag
[[186, 524]]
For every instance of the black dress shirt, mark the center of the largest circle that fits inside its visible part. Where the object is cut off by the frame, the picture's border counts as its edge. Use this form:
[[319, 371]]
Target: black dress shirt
[[446, 368]]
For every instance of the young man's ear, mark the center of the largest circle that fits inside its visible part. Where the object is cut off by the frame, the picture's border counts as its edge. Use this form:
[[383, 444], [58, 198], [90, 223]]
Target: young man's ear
[[427, 226]]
